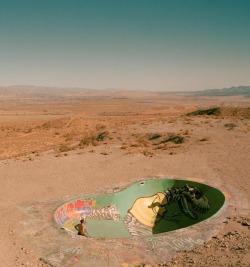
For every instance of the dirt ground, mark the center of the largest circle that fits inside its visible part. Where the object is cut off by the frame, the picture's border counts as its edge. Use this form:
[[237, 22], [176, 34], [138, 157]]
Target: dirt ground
[[61, 145]]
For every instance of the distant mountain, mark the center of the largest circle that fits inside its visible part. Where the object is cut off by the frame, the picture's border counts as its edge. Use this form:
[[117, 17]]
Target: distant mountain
[[239, 90], [30, 89]]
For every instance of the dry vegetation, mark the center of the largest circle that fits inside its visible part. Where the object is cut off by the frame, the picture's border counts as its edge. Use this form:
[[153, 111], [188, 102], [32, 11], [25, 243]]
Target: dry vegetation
[[22, 135]]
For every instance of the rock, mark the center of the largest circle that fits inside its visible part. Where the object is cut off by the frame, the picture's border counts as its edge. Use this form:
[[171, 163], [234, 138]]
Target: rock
[[245, 223]]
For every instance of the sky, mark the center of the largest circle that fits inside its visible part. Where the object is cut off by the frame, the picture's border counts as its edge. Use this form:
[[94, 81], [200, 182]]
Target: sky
[[157, 45]]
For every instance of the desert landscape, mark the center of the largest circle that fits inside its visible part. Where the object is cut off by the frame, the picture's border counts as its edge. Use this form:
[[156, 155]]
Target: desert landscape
[[57, 144], [124, 133]]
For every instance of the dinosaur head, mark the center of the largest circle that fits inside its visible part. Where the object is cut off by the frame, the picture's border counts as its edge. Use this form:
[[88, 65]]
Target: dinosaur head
[[195, 197]]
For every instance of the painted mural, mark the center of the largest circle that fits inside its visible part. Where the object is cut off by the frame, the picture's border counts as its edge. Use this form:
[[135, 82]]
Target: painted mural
[[146, 212], [70, 214], [147, 208]]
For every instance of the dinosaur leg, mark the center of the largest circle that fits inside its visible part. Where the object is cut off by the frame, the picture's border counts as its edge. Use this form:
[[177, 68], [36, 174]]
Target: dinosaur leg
[[185, 208]]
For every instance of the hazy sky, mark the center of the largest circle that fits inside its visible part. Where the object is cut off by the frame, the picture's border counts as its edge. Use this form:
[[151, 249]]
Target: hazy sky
[[128, 44]]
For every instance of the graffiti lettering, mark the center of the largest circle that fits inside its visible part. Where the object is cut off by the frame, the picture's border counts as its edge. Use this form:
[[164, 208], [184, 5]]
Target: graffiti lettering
[[85, 211], [62, 218], [173, 243], [77, 210], [107, 213]]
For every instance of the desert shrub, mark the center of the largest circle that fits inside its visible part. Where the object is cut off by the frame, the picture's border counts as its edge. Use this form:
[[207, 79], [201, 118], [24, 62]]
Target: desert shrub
[[211, 111], [64, 148], [101, 136], [174, 139], [154, 136], [88, 139]]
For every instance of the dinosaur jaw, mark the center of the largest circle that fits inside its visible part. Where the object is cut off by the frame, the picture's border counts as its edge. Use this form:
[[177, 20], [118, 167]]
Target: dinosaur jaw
[[201, 205], [197, 200]]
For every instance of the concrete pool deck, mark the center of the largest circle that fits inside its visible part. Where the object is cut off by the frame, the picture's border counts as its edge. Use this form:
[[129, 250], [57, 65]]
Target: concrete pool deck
[[65, 248]]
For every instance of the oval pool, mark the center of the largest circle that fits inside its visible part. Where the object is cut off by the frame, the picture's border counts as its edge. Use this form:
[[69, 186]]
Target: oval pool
[[145, 208]]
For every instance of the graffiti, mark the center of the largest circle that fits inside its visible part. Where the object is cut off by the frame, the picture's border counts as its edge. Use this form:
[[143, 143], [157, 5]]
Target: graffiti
[[84, 209], [172, 243], [85, 212], [83, 203], [144, 209], [68, 250], [74, 210], [62, 218], [106, 213], [146, 212]]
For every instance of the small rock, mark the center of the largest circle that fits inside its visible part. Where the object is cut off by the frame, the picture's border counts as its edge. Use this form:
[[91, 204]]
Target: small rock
[[245, 223]]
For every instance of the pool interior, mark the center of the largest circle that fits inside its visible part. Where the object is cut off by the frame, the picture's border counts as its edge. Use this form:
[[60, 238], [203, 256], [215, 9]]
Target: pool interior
[[145, 208]]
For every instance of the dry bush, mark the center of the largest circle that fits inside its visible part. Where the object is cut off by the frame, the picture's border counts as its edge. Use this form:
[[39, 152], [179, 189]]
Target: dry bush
[[174, 138], [101, 136], [89, 138], [154, 136], [92, 138], [64, 148], [209, 112]]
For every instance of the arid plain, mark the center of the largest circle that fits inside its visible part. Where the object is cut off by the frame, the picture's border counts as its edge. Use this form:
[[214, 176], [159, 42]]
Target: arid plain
[[59, 144]]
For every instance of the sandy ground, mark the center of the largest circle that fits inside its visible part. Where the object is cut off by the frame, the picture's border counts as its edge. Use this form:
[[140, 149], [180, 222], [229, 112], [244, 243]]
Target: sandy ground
[[75, 145]]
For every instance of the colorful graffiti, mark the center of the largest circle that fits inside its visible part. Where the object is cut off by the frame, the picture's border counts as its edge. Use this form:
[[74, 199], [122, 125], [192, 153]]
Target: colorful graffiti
[[74, 210], [71, 213], [143, 209]]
